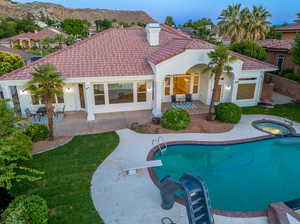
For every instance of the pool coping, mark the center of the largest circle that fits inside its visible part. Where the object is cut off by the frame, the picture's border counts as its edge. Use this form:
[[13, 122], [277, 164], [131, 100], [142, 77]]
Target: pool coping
[[290, 128], [236, 214]]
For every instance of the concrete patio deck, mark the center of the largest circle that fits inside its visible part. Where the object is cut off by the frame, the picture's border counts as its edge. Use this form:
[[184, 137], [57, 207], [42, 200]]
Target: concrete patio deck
[[121, 199], [75, 123]]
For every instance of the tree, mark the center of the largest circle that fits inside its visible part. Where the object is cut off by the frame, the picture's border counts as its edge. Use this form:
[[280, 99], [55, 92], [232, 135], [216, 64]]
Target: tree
[[169, 21], [76, 27], [103, 24], [240, 24], [9, 62], [202, 29], [298, 18], [70, 40], [249, 48], [46, 83], [272, 34], [60, 39], [220, 60], [15, 147], [46, 42], [295, 51]]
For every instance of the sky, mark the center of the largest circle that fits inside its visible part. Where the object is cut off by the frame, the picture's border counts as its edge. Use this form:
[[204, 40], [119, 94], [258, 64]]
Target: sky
[[182, 10]]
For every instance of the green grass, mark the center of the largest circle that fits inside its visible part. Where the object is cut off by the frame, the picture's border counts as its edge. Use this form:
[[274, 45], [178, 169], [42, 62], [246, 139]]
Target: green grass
[[68, 172], [290, 111]]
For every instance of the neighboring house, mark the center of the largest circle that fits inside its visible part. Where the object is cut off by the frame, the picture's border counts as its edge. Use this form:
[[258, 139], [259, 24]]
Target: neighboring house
[[139, 69], [187, 30], [289, 32], [279, 53], [28, 40], [26, 56]]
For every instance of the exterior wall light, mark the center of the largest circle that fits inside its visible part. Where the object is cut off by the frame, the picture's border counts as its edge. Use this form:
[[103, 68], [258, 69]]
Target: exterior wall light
[[68, 90], [228, 87], [24, 92]]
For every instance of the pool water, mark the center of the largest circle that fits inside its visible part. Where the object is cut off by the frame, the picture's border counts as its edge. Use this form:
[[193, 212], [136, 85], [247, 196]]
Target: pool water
[[239, 177], [273, 128]]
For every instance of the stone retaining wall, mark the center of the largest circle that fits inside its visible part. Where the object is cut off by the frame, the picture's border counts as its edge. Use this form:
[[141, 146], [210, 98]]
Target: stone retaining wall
[[284, 86]]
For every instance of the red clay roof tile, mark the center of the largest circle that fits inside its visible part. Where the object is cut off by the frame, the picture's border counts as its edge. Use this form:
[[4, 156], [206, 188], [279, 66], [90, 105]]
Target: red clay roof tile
[[120, 52]]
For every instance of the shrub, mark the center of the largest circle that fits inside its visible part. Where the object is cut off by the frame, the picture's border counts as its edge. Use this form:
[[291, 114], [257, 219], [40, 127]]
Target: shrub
[[228, 112], [6, 198], [176, 119], [9, 62], [37, 132], [295, 77], [26, 209], [249, 48]]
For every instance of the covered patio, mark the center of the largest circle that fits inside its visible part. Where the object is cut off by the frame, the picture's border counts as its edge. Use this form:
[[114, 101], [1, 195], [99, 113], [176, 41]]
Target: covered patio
[[75, 123]]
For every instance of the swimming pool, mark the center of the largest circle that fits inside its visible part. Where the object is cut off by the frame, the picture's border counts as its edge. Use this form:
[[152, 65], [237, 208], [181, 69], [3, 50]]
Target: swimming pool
[[240, 177]]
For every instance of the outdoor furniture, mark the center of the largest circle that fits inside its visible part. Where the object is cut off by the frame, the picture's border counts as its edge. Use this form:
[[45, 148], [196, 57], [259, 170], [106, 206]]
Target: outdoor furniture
[[59, 111], [180, 98], [148, 164], [30, 114], [173, 98], [41, 112], [188, 97], [156, 120]]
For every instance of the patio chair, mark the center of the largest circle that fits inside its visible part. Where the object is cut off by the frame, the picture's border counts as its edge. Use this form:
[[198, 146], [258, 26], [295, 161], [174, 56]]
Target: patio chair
[[173, 98], [188, 98], [60, 111], [30, 114]]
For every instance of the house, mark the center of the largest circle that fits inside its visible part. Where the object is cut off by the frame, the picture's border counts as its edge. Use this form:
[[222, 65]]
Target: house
[[138, 69], [26, 56], [289, 32], [28, 40], [278, 53]]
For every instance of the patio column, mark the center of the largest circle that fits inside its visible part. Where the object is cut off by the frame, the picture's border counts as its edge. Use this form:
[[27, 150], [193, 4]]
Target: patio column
[[7, 95], [158, 84], [89, 101]]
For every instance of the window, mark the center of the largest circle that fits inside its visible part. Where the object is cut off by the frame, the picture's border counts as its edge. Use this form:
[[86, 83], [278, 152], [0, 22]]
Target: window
[[196, 83], [141, 91], [246, 91], [99, 94], [120, 93], [167, 86], [280, 60]]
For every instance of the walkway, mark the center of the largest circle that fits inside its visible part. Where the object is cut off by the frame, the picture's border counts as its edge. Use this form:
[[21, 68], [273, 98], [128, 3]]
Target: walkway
[[135, 199]]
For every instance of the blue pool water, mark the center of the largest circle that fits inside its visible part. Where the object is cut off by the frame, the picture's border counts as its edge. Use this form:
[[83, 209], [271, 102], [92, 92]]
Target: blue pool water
[[239, 177]]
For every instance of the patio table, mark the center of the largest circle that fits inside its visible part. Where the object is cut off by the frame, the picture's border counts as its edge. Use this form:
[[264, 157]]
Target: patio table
[[42, 111]]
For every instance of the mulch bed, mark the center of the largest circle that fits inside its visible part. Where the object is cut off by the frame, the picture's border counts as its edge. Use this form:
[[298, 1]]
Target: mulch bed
[[199, 124], [43, 146]]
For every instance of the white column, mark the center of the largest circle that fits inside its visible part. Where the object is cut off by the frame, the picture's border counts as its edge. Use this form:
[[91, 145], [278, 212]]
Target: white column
[[158, 84], [89, 101], [7, 95]]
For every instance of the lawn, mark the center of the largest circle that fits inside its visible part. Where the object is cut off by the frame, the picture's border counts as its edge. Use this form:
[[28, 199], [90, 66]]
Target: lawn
[[290, 111], [68, 172]]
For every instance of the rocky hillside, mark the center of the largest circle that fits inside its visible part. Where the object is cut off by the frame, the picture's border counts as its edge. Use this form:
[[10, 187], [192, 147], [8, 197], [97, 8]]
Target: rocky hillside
[[38, 10]]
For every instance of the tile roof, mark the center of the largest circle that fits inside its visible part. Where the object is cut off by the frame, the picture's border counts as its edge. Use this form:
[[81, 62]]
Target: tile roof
[[120, 52], [295, 27], [26, 56], [276, 44], [34, 36]]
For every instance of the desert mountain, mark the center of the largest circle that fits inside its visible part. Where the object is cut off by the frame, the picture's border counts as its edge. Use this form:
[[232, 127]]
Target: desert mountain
[[39, 10]]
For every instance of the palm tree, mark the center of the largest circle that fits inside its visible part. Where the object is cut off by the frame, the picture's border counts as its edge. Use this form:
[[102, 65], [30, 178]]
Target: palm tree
[[258, 25], [239, 24], [60, 39], [230, 23], [220, 60], [46, 83]]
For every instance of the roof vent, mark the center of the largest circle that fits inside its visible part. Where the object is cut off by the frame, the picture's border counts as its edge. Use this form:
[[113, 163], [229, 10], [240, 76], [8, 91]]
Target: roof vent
[[153, 30]]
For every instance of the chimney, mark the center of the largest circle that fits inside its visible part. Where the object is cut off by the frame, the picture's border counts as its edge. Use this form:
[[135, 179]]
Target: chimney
[[153, 30]]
